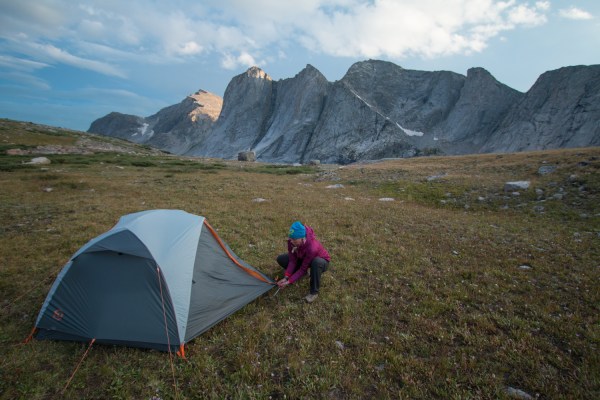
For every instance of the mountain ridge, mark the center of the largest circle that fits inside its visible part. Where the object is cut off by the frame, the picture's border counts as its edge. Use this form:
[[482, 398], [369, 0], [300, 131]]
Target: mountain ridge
[[377, 110]]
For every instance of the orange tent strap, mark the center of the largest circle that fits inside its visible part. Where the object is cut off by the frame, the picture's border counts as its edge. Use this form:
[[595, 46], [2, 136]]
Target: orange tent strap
[[28, 339], [181, 351], [78, 365], [249, 271]]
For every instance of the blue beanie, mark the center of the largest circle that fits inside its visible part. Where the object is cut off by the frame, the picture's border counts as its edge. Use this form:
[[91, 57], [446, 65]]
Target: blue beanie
[[297, 230]]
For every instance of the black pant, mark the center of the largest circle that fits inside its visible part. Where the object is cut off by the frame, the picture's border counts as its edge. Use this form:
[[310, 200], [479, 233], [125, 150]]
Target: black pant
[[317, 266]]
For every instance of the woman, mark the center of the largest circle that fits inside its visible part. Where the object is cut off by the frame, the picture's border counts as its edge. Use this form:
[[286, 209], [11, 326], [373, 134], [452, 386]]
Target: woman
[[304, 252]]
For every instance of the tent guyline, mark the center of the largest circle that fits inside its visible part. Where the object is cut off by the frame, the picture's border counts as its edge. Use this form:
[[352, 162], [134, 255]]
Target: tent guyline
[[108, 290], [162, 298]]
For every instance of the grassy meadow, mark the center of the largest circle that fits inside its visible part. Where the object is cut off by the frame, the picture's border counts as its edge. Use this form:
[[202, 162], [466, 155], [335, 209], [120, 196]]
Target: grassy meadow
[[450, 289]]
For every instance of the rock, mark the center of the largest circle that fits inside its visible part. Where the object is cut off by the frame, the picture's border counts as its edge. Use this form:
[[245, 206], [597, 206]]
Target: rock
[[386, 199], [539, 209], [314, 162], [546, 169], [246, 156], [516, 185], [377, 110], [16, 152], [39, 160], [175, 128], [560, 110], [525, 267], [348, 199], [517, 393], [558, 196], [48, 189], [259, 200], [336, 186], [573, 178], [340, 345], [436, 177]]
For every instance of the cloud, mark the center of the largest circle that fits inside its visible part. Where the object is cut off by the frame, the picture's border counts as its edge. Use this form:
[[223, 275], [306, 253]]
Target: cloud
[[232, 62], [244, 32], [22, 82], [56, 54], [425, 28], [20, 64], [575, 14]]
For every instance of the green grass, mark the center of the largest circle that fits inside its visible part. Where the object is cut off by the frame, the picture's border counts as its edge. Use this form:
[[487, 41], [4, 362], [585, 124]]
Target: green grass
[[283, 169], [426, 297]]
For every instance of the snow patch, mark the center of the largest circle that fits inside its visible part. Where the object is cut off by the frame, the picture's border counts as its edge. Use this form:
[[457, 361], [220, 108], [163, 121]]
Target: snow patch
[[410, 132], [143, 131], [407, 131]]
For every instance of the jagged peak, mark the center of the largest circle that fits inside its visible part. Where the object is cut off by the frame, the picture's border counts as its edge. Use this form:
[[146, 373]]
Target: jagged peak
[[310, 70], [209, 104], [372, 65], [257, 73]]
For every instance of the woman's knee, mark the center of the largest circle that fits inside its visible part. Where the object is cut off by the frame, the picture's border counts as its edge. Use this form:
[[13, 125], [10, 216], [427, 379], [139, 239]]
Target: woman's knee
[[283, 260], [319, 263]]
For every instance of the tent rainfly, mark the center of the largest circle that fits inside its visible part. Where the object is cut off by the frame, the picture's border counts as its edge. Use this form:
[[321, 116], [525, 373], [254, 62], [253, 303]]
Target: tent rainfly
[[156, 280]]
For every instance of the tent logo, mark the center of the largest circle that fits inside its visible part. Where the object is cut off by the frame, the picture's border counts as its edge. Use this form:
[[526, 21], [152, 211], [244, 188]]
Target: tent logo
[[58, 314]]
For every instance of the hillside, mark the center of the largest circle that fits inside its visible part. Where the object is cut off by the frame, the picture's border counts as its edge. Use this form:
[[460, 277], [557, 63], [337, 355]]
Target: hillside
[[444, 283]]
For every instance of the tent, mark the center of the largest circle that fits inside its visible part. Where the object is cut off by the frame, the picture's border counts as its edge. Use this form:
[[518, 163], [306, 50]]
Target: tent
[[156, 280]]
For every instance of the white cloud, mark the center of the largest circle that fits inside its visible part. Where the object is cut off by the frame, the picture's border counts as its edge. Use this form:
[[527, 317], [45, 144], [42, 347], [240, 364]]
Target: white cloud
[[575, 13], [232, 62], [21, 64], [427, 28], [56, 54], [524, 15], [543, 5], [244, 31], [22, 81], [191, 48]]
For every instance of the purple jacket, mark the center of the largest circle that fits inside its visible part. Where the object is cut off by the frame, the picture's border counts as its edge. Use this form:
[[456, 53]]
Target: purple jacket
[[306, 253]]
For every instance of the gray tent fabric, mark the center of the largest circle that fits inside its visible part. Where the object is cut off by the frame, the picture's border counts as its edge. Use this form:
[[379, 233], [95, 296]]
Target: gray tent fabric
[[157, 279]]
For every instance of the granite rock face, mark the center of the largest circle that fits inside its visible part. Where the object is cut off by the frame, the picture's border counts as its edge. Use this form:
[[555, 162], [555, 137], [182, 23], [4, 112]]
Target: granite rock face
[[562, 109], [174, 129], [377, 110]]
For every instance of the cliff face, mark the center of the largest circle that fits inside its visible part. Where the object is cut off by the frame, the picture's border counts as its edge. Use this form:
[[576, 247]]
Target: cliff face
[[562, 109], [297, 107], [122, 126], [175, 128], [376, 110]]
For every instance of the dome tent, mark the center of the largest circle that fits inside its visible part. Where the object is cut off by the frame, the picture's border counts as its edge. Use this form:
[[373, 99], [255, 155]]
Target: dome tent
[[157, 279]]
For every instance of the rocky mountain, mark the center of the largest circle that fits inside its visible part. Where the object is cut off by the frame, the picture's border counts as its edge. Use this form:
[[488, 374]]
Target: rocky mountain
[[562, 109], [175, 128], [377, 110]]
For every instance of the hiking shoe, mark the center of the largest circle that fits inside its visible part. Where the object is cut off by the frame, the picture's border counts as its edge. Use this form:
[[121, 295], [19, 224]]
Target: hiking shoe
[[311, 297]]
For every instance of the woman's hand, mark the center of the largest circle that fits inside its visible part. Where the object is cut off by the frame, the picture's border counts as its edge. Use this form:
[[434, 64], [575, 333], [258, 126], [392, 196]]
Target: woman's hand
[[283, 283]]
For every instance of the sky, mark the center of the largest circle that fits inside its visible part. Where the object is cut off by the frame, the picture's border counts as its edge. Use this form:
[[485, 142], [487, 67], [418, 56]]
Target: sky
[[66, 63]]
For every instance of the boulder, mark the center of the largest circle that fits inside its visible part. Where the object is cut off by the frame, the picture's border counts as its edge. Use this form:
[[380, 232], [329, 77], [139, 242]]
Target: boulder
[[516, 185], [546, 169], [16, 152], [246, 156], [39, 160]]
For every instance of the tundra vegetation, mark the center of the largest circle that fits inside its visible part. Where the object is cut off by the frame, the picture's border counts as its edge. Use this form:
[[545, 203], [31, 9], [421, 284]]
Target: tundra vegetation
[[453, 288]]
